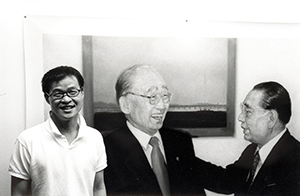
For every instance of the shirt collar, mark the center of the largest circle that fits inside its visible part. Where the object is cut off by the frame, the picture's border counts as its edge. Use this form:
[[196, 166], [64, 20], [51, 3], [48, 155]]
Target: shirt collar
[[266, 149], [53, 128], [141, 136], [81, 122]]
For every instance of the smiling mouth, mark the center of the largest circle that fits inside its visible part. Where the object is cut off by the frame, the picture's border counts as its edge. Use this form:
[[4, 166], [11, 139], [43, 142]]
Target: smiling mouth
[[67, 108], [157, 116], [244, 130]]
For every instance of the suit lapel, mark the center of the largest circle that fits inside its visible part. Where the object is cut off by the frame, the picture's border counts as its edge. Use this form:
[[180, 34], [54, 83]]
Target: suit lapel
[[264, 176], [167, 142], [136, 159], [137, 162]]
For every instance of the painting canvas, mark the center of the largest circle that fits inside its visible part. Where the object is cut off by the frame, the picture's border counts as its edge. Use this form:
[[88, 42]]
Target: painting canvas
[[200, 74]]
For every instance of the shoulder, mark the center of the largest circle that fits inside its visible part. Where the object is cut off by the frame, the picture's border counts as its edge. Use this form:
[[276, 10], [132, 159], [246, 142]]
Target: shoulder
[[119, 138], [92, 131], [32, 133], [174, 133], [33, 136], [290, 145], [286, 145], [250, 149], [176, 137], [291, 139], [92, 134], [118, 134], [248, 152], [119, 144]]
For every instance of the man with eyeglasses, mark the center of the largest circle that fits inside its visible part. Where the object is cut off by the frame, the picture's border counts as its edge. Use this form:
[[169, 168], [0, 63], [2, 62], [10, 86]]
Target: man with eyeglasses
[[61, 156], [144, 158], [270, 165]]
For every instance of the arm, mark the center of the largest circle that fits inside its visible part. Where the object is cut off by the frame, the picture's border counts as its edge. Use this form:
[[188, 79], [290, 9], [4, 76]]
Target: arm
[[99, 186], [212, 177], [20, 187], [225, 180]]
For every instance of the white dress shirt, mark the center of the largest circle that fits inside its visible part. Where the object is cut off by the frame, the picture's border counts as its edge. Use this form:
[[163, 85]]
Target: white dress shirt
[[265, 150], [144, 139]]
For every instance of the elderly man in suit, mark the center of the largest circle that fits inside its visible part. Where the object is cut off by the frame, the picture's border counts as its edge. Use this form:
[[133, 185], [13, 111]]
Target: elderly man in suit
[[144, 158], [270, 165]]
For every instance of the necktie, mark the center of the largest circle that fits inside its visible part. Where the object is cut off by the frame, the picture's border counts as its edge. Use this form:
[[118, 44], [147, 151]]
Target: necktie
[[254, 166], [159, 167]]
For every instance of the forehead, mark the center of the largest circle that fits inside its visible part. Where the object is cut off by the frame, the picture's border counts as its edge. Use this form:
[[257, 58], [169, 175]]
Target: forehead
[[253, 99], [66, 82], [148, 80]]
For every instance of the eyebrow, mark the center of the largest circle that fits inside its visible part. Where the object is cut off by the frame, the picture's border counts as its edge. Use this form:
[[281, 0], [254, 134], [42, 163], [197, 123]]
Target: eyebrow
[[70, 88], [246, 105]]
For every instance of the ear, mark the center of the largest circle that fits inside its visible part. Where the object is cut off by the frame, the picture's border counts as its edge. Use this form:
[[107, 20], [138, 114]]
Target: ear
[[46, 98], [124, 105], [273, 118]]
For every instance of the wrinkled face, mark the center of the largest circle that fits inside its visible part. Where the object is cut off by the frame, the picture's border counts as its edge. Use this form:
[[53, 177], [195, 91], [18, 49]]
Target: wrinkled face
[[143, 115], [254, 119], [65, 108]]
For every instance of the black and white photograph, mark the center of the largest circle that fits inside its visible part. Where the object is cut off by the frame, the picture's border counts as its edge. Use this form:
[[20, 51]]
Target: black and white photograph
[[140, 98]]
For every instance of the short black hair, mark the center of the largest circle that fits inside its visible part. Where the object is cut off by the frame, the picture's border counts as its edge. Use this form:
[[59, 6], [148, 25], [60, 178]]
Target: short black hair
[[57, 74], [276, 97]]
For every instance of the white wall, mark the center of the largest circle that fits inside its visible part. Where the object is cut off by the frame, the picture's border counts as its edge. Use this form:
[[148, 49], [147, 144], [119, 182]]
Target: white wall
[[257, 60], [12, 91], [63, 50]]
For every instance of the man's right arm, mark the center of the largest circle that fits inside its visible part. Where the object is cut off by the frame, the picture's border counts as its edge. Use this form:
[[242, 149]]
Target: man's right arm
[[20, 187]]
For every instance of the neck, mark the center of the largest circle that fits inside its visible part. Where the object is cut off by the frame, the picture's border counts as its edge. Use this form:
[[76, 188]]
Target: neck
[[66, 126], [277, 129], [273, 133], [150, 132]]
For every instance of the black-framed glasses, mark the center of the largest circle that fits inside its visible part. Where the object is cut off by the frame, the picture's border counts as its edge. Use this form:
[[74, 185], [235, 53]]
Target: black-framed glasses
[[74, 92], [154, 99]]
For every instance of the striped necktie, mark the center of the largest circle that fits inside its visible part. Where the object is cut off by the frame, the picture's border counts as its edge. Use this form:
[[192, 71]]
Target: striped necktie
[[253, 169]]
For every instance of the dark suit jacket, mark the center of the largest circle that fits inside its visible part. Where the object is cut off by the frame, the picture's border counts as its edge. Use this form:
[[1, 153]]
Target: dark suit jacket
[[129, 172], [279, 175]]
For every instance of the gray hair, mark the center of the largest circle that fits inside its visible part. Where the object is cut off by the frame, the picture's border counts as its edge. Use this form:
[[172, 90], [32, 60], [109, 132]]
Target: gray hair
[[126, 78]]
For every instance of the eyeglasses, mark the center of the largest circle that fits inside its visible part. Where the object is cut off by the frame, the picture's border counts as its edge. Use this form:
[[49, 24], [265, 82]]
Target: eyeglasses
[[60, 94], [247, 111], [154, 99]]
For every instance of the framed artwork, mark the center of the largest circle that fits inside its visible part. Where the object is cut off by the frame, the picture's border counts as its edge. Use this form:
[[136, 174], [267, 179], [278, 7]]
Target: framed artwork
[[199, 71], [197, 64]]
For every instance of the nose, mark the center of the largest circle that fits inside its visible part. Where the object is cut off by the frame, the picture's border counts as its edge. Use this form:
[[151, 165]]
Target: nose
[[66, 98], [241, 117], [161, 104]]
